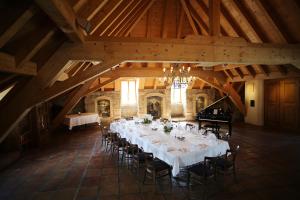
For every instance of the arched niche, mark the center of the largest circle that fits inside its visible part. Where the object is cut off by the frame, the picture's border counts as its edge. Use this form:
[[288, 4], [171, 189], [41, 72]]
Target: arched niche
[[200, 101], [104, 107], [156, 96]]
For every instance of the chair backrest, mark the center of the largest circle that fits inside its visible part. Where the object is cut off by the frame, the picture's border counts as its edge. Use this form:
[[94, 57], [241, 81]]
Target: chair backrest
[[233, 153]]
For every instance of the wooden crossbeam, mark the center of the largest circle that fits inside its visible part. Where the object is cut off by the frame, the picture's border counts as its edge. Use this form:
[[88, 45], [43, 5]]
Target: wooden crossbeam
[[8, 64], [63, 15], [210, 50], [71, 102], [91, 8], [16, 26]]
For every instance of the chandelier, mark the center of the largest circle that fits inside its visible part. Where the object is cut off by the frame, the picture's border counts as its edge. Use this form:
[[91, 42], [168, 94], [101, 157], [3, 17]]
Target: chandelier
[[176, 75]]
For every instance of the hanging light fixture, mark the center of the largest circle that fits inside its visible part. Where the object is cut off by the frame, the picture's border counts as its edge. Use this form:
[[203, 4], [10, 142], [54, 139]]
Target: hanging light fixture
[[177, 75]]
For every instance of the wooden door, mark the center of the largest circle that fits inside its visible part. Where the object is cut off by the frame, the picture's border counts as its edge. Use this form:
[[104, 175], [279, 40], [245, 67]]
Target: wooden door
[[272, 102], [282, 103], [289, 103]]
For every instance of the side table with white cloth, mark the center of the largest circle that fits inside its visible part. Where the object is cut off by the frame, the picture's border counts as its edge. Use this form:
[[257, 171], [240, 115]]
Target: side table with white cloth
[[81, 119], [167, 147]]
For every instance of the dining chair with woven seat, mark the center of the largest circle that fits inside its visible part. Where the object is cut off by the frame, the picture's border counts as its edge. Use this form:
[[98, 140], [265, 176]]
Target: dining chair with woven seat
[[104, 134], [156, 169], [202, 173], [227, 164], [118, 147], [139, 160], [111, 138], [129, 151]]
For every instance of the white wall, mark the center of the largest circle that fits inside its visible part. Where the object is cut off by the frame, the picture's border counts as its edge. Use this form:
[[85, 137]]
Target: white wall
[[254, 90]]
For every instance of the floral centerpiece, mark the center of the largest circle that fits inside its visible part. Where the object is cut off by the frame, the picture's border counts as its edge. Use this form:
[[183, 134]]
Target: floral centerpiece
[[168, 127], [147, 119]]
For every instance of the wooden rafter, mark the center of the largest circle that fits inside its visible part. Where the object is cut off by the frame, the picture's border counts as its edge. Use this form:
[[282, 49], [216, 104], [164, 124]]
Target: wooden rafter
[[130, 19], [91, 8], [188, 14], [140, 17], [107, 10], [119, 24], [214, 17], [64, 16], [35, 47], [8, 64], [115, 16], [180, 23], [250, 70], [16, 26], [100, 85]]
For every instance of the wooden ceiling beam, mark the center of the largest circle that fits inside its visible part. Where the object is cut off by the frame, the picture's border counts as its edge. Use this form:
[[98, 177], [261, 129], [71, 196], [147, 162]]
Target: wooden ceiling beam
[[214, 17], [140, 17], [63, 15], [8, 64], [188, 14], [102, 15], [16, 26]]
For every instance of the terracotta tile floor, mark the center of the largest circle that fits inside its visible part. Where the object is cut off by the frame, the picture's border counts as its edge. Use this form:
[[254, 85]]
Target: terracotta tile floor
[[75, 166]]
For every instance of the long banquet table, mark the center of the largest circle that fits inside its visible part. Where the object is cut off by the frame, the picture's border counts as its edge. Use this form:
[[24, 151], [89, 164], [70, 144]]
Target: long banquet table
[[167, 147]]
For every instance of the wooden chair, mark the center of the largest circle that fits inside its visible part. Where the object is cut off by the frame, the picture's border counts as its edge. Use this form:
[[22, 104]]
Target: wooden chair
[[112, 137], [139, 160], [104, 134], [118, 146], [202, 172], [226, 164], [156, 169], [129, 151]]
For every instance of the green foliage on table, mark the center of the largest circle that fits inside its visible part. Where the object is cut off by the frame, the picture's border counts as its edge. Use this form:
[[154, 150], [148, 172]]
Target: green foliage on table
[[167, 129], [147, 121]]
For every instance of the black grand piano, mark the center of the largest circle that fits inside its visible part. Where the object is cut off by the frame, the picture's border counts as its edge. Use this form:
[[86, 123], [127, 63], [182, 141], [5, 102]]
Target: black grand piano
[[214, 115]]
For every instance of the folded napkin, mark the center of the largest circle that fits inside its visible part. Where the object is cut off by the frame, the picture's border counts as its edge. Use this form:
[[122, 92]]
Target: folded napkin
[[155, 141], [184, 150], [143, 135], [202, 145], [171, 149]]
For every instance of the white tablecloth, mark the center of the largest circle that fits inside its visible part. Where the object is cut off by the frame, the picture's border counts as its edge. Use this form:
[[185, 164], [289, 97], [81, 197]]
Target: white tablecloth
[[166, 147], [81, 119]]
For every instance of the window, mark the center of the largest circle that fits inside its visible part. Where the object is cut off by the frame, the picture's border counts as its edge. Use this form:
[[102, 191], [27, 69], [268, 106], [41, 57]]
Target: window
[[178, 94], [129, 91]]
